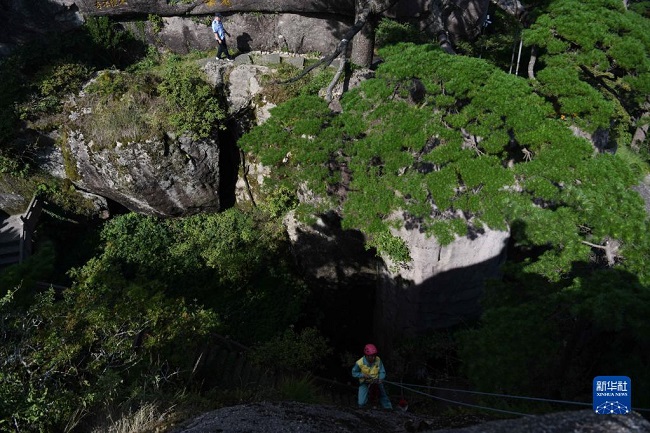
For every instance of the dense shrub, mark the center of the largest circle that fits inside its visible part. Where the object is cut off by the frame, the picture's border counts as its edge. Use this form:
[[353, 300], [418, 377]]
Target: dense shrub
[[297, 352], [195, 107]]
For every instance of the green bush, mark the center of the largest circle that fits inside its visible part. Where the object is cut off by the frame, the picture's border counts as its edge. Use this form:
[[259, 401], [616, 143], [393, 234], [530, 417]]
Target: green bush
[[50, 87], [232, 262], [293, 352], [195, 107], [279, 202], [109, 85], [113, 45], [391, 32], [302, 389], [88, 348], [13, 166], [157, 22]]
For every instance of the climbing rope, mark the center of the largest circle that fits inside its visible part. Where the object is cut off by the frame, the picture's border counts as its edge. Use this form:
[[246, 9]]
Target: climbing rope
[[501, 395], [412, 388], [476, 406]]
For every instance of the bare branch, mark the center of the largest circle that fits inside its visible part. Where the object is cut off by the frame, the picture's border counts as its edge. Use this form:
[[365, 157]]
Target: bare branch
[[528, 155], [610, 247], [328, 96]]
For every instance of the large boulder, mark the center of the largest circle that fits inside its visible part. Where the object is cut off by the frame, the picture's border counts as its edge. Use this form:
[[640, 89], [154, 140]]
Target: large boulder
[[280, 417], [440, 287], [561, 422], [293, 25], [173, 176], [168, 178], [120, 8], [442, 284]]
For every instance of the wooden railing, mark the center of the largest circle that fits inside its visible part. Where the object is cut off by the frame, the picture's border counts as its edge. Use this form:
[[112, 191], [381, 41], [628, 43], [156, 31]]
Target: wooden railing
[[29, 220], [17, 233]]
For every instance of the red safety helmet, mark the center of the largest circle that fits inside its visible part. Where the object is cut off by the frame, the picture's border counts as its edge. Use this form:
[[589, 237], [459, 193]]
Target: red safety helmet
[[370, 349]]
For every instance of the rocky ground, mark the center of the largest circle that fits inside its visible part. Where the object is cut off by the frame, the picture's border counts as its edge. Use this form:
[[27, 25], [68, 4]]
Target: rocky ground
[[287, 417]]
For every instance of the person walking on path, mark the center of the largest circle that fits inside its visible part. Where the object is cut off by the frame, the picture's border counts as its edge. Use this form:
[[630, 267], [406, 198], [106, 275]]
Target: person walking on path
[[370, 372], [220, 35]]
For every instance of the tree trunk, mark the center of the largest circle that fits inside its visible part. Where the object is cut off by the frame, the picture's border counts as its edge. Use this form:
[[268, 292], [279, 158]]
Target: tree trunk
[[531, 62], [363, 45]]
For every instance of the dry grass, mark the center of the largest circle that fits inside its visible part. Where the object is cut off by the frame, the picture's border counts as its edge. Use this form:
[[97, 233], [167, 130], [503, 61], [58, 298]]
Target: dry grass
[[147, 418], [134, 116]]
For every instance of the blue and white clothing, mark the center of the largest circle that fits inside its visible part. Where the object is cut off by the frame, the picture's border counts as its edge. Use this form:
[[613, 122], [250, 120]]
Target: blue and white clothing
[[217, 27], [220, 35]]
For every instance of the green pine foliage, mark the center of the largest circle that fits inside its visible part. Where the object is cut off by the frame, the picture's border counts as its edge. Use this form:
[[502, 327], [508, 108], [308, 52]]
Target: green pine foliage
[[595, 62], [232, 262], [454, 144], [293, 352], [479, 148], [551, 339], [449, 144], [194, 104]]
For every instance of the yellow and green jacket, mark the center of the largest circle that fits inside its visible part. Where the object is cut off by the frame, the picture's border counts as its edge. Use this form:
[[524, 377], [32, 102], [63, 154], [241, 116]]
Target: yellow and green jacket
[[374, 370]]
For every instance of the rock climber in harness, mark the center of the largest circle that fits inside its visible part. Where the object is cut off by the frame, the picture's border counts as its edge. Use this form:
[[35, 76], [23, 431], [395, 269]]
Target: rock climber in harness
[[370, 372]]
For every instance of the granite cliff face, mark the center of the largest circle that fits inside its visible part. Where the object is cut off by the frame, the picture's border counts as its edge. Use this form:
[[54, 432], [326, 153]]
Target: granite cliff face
[[442, 284], [168, 178], [295, 26]]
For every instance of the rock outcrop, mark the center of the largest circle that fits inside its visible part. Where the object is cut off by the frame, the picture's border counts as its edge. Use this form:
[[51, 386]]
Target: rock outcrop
[[293, 25], [122, 8], [24, 20], [442, 284], [171, 178], [284, 417], [174, 176], [562, 422], [289, 32]]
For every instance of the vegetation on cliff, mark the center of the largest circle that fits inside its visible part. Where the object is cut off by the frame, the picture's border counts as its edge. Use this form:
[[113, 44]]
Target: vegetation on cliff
[[454, 144], [449, 144]]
